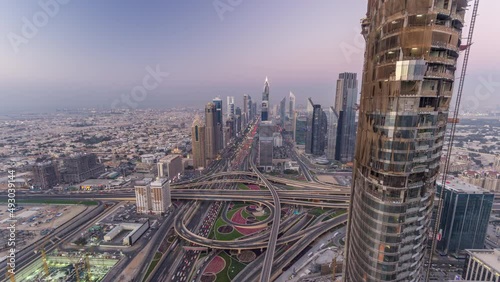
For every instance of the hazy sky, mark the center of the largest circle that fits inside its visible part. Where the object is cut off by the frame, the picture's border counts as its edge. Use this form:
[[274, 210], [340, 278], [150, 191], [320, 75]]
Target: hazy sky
[[95, 53]]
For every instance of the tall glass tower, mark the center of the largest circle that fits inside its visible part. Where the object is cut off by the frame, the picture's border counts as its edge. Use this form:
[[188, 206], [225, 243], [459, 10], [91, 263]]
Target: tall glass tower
[[210, 136], [316, 129], [409, 70], [291, 106], [265, 102], [219, 125], [345, 106], [198, 142]]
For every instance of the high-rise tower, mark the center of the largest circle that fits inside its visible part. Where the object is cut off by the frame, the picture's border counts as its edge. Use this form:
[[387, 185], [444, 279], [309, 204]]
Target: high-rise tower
[[345, 106], [291, 106], [230, 106], [331, 133], [245, 114], [198, 143], [210, 125], [251, 112], [410, 59], [283, 110], [238, 121], [219, 125], [265, 102], [316, 129]]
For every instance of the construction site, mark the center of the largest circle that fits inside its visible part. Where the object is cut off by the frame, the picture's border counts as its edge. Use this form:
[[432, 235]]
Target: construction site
[[34, 222], [68, 267]]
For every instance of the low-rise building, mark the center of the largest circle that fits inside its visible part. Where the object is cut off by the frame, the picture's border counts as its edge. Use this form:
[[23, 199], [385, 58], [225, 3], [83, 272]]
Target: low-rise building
[[153, 197], [170, 167], [482, 265], [465, 214]]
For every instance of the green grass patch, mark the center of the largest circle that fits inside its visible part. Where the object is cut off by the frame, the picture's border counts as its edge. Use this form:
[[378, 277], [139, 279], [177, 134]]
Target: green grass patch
[[211, 235], [242, 186], [223, 275], [317, 211], [232, 212], [244, 213], [233, 267], [152, 265], [54, 201], [225, 237]]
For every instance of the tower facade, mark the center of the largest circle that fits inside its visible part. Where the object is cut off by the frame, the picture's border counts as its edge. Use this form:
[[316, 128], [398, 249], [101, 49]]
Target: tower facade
[[238, 121], [266, 143], [230, 106], [411, 53], [316, 129], [198, 141], [331, 133], [291, 105], [219, 125], [300, 129], [254, 109], [160, 196], [245, 113], [265, 102], [45, 175], [283, 110], [345, 106], [210, 144]]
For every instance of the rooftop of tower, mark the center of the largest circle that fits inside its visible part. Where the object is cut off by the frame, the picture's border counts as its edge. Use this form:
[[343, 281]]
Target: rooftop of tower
[[460, 186]]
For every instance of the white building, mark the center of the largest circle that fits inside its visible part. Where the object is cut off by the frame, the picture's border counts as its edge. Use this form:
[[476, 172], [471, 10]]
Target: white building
[[482, 265], [153, 197], [278, 139], [148, 158], [160, 196], [142, 196]]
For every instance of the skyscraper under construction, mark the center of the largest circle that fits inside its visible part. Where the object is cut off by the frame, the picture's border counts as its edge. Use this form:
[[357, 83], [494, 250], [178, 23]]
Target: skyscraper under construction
[[409, 70]]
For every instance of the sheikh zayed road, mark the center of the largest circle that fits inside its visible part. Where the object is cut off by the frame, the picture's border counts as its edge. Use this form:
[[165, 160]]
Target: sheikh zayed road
[[285, 232]]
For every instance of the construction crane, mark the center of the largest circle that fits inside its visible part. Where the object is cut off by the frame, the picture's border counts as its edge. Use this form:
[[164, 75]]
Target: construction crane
[[10, 272], [87, 267], [334, 267], [452, 133], [77, 273], [44, 261]]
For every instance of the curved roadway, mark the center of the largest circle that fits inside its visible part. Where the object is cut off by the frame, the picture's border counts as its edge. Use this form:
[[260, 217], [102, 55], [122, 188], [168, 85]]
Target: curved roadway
[[265, 274]]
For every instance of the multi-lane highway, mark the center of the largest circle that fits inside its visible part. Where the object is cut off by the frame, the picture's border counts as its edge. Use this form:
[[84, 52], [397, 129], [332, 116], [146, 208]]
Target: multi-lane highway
[[191, 225]]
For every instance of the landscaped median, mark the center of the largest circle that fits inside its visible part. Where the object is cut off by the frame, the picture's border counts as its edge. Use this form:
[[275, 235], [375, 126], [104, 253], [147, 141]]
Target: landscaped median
[[226, 265], [241, 214]]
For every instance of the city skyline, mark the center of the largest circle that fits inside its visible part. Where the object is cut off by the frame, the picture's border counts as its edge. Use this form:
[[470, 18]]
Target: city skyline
[[232, 140], [52, 67]]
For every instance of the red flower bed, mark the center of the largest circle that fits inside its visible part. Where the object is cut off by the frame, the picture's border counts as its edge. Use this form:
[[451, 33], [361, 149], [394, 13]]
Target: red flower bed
[[216, 265], [238, 218], [253, 187]]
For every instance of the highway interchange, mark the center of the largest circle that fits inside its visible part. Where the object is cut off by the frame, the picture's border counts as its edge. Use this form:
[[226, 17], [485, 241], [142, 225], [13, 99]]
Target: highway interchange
[[282, 239]]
